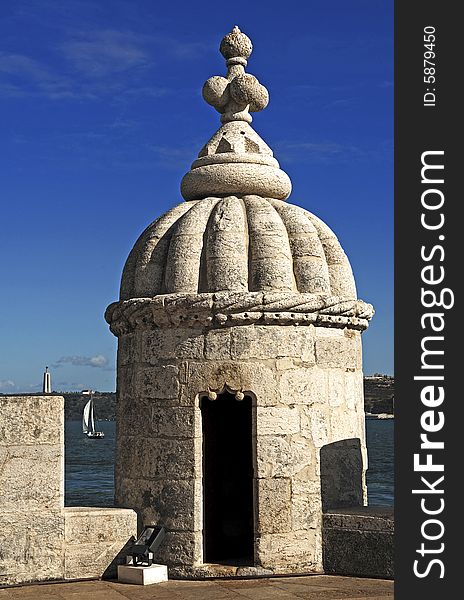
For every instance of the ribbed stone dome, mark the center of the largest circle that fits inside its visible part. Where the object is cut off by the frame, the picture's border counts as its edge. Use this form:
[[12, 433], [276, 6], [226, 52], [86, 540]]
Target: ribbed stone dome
[[235, 253], [249, 244]]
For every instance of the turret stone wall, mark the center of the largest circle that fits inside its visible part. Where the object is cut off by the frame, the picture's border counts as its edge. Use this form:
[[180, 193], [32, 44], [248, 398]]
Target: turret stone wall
[[307, 390]]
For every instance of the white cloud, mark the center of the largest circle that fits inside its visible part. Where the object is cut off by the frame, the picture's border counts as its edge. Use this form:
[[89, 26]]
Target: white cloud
[[99, 362], [102, 53], [91, 64], [7, 385], [25, 76]]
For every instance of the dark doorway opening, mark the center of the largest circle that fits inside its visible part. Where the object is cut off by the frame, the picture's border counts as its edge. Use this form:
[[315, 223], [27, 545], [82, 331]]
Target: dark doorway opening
[[227, 480]]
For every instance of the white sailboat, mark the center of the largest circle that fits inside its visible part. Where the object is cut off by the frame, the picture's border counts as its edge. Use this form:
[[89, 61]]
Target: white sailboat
[[88, 420]]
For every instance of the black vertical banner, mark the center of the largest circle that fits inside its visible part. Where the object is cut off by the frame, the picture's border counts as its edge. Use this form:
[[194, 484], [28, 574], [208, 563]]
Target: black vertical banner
[[429, 361]]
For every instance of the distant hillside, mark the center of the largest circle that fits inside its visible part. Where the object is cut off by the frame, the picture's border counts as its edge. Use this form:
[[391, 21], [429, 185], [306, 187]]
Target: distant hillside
[[379, 394], [379, 391], [104, 404]]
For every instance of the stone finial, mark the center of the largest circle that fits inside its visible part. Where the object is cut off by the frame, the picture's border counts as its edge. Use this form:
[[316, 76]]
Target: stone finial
[[235, 160], [236, 45], [235, 95]]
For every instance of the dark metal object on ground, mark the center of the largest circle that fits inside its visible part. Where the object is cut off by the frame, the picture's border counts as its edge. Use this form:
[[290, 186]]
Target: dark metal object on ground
[[144, 548]]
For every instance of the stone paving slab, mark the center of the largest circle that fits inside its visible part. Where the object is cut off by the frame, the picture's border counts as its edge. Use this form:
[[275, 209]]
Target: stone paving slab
[[317, 587]]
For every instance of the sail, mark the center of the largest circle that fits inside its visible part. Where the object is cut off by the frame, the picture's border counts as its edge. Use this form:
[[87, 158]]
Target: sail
[[86, 423], [92, 418], [88, 420]]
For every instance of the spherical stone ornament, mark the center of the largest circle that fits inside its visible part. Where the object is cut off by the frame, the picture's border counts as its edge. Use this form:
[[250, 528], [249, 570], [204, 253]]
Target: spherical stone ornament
[[246, 89], [236, 44], [216, 92]]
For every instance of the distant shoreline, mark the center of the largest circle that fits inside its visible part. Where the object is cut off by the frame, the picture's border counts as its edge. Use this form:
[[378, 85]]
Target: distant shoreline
[[379, 416]]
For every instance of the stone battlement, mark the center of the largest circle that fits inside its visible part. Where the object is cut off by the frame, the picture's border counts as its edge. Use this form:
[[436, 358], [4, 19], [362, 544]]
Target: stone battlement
[[41, 539]]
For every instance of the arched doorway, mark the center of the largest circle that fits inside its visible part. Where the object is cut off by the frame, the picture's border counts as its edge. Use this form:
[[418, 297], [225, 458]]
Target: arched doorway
[[228, 528]]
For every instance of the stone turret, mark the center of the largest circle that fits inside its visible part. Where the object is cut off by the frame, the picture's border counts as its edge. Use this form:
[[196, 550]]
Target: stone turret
[[240, 393]]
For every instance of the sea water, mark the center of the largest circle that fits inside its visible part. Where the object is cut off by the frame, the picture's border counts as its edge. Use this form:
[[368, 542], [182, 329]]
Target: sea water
[[380, 450], [89, 464]]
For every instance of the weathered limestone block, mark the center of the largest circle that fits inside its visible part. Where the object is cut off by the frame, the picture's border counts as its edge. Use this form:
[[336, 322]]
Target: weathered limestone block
[[126, 383], [295, 551], [31, 477], [132, 416], [338, 351], [274, 506], [306, 504], [271, 342], [277, 420], [161, 381], [345, 426], [180, 548], [155, 458], [155, 418], [39, 418], [315, 424], [336, 387], [284, 364], [218, 344], [354, 391], [31, 546], [282, 456], [304, 386], [31, 453], [95, 540], [176, 421], [168, 344], [128, 349], [170, 502], [359, 542]]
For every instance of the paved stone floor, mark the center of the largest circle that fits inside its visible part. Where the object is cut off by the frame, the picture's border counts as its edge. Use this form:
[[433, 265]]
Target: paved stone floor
[[318, 587]]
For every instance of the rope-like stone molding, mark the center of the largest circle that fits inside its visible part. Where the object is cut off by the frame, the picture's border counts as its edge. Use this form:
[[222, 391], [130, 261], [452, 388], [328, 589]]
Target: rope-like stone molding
[[223, 309]]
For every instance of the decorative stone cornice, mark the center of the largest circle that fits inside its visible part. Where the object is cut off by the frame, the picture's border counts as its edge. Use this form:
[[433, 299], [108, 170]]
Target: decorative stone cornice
[[225, 309]]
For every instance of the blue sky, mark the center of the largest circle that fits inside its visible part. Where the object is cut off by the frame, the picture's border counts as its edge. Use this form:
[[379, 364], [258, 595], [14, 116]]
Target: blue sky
[[101, 115]]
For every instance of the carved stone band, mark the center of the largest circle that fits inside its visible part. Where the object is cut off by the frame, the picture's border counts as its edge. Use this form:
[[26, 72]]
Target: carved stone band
[[227, 309]]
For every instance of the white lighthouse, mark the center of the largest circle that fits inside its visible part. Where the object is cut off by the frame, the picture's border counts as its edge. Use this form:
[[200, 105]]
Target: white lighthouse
[[47, 382]]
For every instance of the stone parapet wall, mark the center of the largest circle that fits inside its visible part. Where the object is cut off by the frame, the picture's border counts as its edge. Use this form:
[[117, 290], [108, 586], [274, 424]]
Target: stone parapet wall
[[41, 540], [359, 542], [95, 540], [307, 390], [31, 488]]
